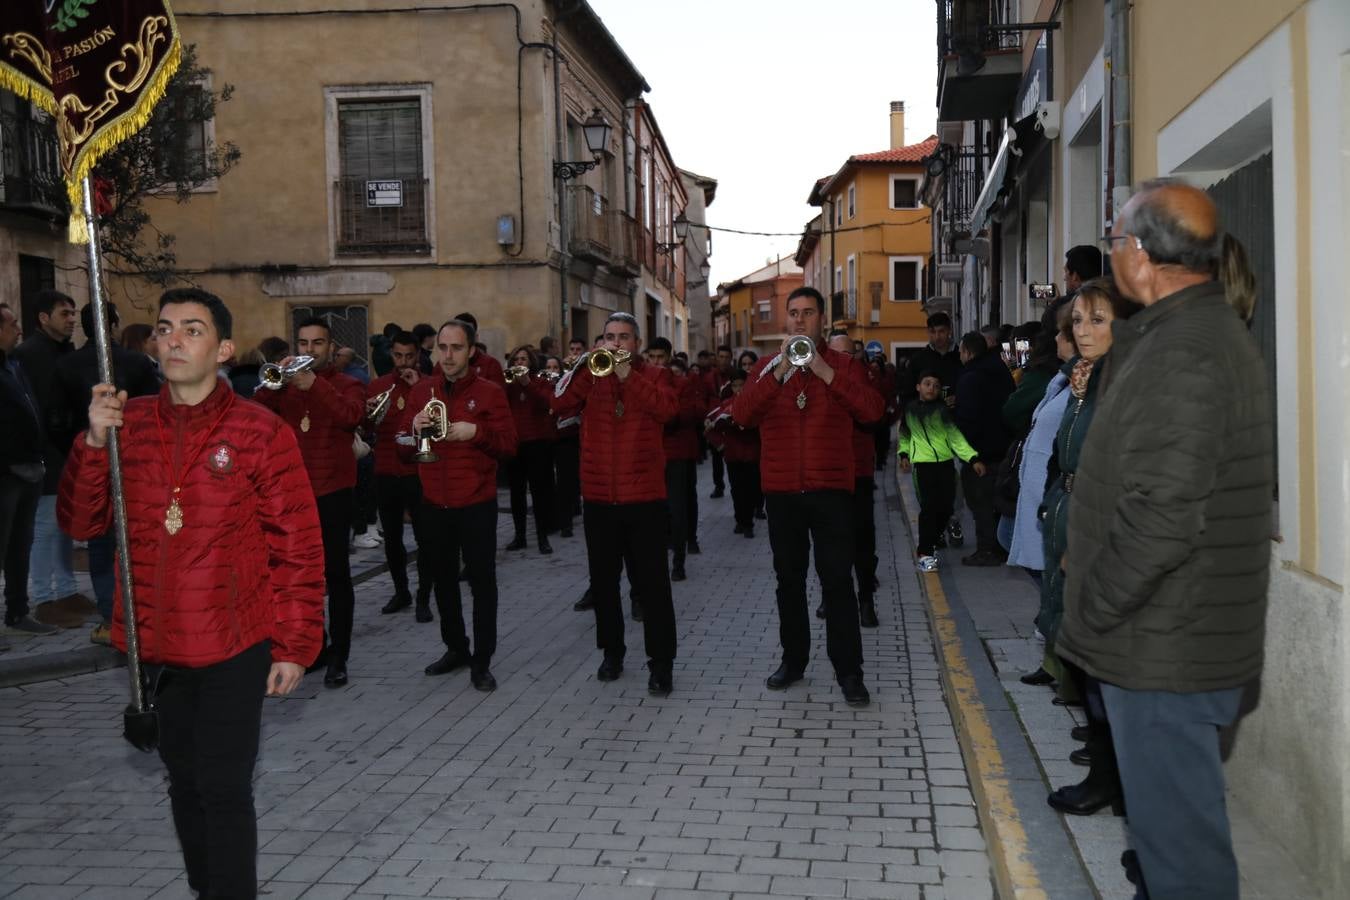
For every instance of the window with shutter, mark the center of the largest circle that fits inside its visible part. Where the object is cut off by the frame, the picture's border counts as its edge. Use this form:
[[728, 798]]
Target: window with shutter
[[904, 192], [904, 279], [382, 187]]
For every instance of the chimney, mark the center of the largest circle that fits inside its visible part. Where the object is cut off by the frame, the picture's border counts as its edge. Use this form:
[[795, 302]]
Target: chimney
[[897, 124]]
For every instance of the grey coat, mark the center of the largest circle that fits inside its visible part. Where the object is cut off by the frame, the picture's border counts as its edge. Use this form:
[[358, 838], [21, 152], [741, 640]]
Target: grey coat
[[1169, 548], [1027, 549]]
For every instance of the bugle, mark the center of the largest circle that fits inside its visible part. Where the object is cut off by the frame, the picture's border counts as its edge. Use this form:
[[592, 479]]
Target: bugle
[[274, 377], [515, 373], [380, 408], [603, 361]]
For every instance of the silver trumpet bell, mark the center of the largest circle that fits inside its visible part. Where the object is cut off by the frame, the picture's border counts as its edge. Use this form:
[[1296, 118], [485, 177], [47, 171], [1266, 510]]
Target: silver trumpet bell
[[275, 377], [437, 429], [380, 406], [800, 351]]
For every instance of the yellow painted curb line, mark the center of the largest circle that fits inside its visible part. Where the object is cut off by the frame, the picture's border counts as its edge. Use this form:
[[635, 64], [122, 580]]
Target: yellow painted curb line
[[1015, 876]]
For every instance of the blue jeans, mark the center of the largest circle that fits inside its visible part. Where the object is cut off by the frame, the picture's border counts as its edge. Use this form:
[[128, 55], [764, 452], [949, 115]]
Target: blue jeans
[[50, 572], [102, 559], [1167, 747]]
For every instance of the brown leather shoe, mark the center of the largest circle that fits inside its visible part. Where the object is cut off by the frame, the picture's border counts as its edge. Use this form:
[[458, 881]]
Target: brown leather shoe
[[77, 603], [50, 613]]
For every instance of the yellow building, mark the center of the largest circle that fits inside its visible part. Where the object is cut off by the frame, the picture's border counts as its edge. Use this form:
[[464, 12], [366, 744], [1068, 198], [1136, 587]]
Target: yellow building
[[870, 249]]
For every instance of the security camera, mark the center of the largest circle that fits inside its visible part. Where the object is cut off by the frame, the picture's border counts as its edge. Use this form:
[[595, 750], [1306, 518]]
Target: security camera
[[1047, 119]]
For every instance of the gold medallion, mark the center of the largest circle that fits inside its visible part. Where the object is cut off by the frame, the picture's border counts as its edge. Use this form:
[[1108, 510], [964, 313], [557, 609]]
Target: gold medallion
[[618, 409], [173, 518], [400, 402], [304, 423], [801, 399]]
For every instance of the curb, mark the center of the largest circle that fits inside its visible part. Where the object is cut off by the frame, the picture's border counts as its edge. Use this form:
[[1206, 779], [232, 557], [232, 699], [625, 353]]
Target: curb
[[1015, 876]]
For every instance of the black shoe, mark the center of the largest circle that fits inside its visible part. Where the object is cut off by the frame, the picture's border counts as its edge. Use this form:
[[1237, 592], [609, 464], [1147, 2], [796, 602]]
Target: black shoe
[[1087, 797], [749, 531], [399, 602], [693, 546], [659, 683], [820, 610], [984, 558], [760, 514], [739, 529], [676, 573], [855, 692], [423, 613], [482, 679], [940, 544], [544, 546], [336, 676], [955, 534], [867, 614], [1081, 757], [448, 663], [566, 531], [610, 668], [1060, 701], [784, 676], [637, 611], [1038, 678], [584, 603], [1129, 861], [518, 543], [717, 492], [1080, 733]]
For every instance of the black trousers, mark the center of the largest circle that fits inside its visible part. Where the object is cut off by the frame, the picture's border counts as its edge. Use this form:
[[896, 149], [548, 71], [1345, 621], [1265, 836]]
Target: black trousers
[[399, 495], [825, 519], [209, 723], [471, 531], [881, 438], [718, 465], [681, 475], [335, 519], [532, 466], [567, 465], [18, 511], [979, 491], [864, 536], [365, 502], [745, 491], [935, 483], [633, 534]]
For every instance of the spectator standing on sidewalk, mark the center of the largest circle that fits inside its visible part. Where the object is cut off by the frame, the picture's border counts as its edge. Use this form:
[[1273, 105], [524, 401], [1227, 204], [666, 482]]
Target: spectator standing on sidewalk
[[21, 474], [1081, 263], [1169, 554], [51, 575], [984, 386]]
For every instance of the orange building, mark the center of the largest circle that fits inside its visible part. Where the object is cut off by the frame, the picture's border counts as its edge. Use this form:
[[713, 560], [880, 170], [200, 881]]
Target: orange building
[[756, 306]]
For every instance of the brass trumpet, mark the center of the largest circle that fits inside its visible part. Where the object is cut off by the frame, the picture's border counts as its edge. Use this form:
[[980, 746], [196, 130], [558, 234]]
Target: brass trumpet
[[436, 429], [381, 408], [515, 373], [275, 377], [603, 361], [800, 351]]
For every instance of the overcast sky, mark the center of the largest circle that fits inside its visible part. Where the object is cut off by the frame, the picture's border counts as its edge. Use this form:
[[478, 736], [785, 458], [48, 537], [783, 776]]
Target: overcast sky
[[766, 96]]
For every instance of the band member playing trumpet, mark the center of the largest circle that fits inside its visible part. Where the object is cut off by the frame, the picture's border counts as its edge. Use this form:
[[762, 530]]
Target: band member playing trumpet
[[459, 495], [802, 401], [680, 441], [739, 446], [323, 407], [624, 405], [227, 572], [529, 393], [397, 488]]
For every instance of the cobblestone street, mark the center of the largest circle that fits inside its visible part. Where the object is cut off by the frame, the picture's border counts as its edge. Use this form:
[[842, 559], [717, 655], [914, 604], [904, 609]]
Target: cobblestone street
[[556, 785]]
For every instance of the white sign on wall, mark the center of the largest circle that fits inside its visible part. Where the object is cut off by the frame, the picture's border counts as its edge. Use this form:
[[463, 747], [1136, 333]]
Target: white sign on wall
[[384, 193]]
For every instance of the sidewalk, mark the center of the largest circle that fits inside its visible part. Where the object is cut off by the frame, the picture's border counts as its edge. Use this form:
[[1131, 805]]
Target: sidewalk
[[996, 606]]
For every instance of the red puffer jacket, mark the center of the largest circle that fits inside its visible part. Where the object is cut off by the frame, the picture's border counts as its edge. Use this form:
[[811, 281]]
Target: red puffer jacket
[[738, 444], [388, 460], [807, 444], [530, 410], [324, 419], [680, 436], [247, 563], [622, 457], [486, 367], [466, 472], [864, 442]]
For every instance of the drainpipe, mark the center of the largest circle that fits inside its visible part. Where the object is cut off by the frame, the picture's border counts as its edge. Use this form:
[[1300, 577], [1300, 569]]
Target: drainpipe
[[559, 186], [1120, 175]]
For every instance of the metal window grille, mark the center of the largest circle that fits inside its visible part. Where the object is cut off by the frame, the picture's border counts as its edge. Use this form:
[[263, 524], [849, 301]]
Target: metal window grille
[[350, 326], [381, 141]]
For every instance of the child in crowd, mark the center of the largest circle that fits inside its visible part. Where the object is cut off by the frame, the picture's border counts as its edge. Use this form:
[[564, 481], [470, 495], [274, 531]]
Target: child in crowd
[[928, 440]]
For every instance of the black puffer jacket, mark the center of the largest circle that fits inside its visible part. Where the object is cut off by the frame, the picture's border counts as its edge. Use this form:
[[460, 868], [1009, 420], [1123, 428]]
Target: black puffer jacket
[[984, 386], [1169, 543]]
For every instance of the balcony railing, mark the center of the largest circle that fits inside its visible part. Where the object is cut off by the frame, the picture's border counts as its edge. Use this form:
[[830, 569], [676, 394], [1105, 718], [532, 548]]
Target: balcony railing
[[382, 217], [626, 246], [964, 26], [589, 224], [30, 170], [979, 63]]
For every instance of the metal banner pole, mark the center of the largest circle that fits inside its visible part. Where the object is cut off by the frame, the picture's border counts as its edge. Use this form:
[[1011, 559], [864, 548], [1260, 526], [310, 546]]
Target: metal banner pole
[[140, 725]]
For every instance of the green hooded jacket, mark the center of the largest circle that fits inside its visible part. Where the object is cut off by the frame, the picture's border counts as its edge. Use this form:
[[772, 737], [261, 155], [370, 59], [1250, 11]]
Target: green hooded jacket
[[926, 433]]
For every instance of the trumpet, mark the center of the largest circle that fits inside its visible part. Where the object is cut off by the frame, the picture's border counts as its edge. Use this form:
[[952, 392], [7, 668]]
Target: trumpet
[[515, 373], [570, 363], [275, 377], [602, 362], [800, 351], [437, 429], [551, 377], [380, 409]]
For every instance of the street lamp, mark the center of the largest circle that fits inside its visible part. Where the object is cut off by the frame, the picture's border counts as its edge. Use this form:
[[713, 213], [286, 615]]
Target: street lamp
[[681, 232], [596, 129], [704, 269]]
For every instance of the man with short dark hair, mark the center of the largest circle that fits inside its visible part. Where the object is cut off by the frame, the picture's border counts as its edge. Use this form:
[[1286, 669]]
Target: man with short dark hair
[[801, 411], [227, 568], [940, 356], [1169, 551], [984, 385], [624, 487], [1081, 263], [52, 578], [323, 407]]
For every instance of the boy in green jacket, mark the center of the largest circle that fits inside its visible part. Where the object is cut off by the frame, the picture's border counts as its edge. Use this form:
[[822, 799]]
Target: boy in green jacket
[[928, 441]]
